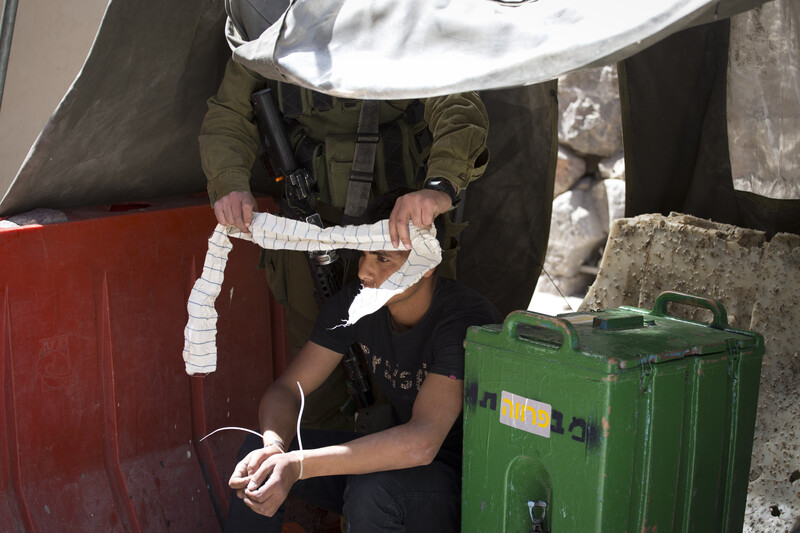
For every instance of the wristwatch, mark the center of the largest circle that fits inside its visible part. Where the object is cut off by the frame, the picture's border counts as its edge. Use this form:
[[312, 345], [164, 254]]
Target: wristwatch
[[443, 185]]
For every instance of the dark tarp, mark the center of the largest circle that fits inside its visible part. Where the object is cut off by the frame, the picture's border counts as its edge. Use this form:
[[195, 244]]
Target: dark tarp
[[675, 133], [127, 128], [509, 208]]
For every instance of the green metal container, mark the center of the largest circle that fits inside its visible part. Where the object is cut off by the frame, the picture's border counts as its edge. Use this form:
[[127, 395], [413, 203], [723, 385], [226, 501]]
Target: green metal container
[[623, 420]]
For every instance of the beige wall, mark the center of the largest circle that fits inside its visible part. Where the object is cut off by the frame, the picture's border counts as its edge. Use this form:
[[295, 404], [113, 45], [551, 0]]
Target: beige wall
[[51, 41]]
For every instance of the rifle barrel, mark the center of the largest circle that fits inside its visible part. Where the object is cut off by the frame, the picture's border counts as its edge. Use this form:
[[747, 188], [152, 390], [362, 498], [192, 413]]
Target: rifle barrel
[[274, 138]]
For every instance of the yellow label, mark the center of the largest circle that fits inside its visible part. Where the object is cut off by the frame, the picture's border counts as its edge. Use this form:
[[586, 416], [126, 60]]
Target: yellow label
[[525, 414]]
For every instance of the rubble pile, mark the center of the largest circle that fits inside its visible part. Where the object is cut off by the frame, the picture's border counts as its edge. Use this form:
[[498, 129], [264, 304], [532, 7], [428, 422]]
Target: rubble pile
[[589, 191]]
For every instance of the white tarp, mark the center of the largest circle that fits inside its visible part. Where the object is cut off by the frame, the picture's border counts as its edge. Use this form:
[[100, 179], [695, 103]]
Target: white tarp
[[764, 100], [415, 48]]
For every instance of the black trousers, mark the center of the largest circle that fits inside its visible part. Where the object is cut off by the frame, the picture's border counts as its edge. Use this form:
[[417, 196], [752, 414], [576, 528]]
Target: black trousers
[[419, 499]]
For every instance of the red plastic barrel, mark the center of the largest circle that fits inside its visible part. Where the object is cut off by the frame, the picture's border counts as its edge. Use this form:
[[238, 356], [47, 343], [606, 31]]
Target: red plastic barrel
[[99, 423]]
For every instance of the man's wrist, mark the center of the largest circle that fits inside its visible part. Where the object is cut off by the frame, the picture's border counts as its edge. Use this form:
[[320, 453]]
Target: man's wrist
[[275, 443], [270, 438], [299, 454]]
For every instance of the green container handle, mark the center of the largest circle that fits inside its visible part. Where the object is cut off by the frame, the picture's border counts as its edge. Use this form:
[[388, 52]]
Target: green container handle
[[568, 333], [720, 320]]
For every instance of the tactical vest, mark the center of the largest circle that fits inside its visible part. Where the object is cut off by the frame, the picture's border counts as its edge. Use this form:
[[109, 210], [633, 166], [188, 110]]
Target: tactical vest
[[322, 130]]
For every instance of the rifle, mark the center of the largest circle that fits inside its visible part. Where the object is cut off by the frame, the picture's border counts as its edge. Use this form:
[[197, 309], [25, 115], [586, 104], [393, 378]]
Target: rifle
[[298, 203]]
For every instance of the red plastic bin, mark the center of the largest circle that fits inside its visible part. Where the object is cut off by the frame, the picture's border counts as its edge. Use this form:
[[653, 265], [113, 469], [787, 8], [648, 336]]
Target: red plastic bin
[[99, 423]]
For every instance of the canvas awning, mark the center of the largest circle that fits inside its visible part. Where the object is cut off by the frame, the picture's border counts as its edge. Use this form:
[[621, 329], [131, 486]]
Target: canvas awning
[[416, 48]]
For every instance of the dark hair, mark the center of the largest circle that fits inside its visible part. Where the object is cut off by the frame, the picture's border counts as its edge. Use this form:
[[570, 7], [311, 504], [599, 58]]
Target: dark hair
[[381, 207]]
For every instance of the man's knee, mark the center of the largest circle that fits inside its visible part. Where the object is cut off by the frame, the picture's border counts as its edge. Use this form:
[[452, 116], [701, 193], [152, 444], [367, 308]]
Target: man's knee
[[420, 499], [370, 504]]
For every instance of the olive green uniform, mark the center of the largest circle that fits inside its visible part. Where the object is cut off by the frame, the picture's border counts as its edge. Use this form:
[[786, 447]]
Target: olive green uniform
[[439, 137]]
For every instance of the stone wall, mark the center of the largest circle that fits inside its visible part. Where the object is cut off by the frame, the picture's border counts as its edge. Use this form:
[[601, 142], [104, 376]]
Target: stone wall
[[589, 192]]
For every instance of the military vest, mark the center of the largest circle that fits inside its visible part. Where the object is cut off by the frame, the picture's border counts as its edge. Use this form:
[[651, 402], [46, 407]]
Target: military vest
[[322, 130]]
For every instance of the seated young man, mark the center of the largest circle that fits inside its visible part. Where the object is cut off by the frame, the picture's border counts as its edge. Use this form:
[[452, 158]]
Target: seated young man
[[405, 478]]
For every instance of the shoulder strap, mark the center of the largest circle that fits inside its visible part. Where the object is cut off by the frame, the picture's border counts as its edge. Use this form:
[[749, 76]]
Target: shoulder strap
[[360, 183]]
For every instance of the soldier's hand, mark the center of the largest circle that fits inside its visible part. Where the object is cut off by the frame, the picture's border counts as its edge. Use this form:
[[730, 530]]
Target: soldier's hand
[[236, 209], [419, 207]]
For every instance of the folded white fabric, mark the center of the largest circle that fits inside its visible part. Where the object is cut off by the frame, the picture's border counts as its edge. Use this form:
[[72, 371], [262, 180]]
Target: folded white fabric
[[278, 233]]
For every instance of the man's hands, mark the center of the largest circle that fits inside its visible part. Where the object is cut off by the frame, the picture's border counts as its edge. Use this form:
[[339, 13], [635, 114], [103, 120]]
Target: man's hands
[[419, 207], [236, 209], [281, 470]]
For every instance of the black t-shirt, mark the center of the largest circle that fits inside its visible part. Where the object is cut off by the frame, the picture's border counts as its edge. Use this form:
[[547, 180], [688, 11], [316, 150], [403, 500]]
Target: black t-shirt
[[399, 362]]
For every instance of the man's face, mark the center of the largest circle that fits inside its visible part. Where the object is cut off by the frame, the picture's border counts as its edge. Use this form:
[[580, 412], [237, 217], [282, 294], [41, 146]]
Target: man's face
[[376, 267]]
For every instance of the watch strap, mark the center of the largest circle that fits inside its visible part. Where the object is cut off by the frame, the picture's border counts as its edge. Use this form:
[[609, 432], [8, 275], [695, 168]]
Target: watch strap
[[443, 185]]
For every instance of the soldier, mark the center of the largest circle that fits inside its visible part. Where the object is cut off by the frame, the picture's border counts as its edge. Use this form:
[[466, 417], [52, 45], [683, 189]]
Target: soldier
[[436, 146]]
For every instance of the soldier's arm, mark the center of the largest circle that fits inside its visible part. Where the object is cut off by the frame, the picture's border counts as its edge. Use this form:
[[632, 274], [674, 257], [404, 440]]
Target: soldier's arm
[[459, 125], [229, 144]]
